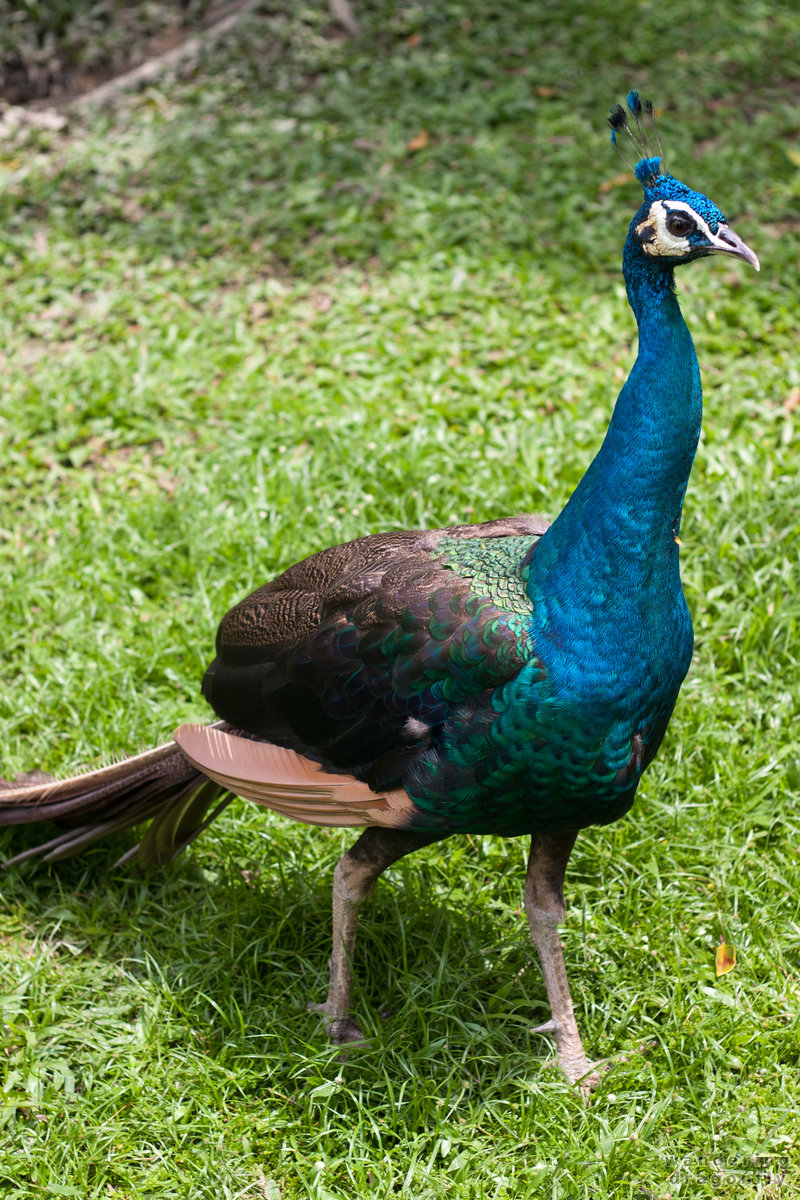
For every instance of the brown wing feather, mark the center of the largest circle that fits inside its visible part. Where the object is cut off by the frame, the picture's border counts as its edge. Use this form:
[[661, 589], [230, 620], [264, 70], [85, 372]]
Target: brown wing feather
[[287, 782], [159, 785], [310, 660], [57, 799]]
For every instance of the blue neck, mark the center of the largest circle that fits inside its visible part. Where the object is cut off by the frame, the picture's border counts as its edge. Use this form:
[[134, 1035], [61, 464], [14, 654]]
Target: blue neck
[[620, 526]]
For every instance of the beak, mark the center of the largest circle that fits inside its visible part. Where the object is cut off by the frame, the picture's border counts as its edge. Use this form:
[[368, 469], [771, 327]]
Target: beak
[[728, 242]]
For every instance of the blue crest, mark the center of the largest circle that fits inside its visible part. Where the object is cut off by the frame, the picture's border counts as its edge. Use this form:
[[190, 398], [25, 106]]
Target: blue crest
[[649, 164], [647, 171]]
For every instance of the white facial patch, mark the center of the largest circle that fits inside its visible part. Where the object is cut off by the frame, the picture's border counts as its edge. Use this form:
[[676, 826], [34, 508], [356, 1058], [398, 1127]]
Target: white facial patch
[[660, 241], [671, 245]]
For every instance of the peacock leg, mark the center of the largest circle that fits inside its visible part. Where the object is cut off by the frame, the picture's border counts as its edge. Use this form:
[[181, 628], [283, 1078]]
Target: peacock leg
[[544, 904], [353, 881]]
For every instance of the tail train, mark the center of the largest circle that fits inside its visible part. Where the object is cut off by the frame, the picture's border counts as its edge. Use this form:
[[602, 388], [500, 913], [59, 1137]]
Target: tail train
[[175, 785], [161, 786]]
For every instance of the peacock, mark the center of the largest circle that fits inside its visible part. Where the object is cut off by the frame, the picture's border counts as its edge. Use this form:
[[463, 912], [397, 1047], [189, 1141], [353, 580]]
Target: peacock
[[510, 677]]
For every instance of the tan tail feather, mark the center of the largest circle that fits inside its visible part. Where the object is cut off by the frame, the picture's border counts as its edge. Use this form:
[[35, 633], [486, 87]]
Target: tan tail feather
[[160, 786], [287, 782], [40, 793]]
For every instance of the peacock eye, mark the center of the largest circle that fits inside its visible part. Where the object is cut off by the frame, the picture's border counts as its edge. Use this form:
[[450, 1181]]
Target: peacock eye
[[679, 224]]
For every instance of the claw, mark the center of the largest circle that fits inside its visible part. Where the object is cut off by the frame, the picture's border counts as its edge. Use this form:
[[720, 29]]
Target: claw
[[588, 1083]]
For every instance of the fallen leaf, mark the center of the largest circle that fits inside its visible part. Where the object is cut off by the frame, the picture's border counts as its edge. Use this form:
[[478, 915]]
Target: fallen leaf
[[419, 142], [414, 39], [725, 958], [132, 210], [546, 93], [792, 401], [614, 182]]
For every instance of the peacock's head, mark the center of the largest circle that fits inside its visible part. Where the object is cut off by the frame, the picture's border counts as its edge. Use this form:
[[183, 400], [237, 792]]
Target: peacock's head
[[675, 224]]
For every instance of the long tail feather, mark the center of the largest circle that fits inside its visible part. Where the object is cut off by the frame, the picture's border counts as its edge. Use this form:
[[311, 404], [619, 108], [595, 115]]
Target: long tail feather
[[160, 785]]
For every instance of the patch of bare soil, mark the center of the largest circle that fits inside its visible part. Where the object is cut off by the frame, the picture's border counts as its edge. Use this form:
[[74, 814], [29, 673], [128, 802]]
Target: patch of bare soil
[[40, 67]]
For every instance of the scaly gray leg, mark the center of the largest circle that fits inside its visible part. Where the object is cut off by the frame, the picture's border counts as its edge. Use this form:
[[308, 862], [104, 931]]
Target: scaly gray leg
[[544, 904], [353, 880]]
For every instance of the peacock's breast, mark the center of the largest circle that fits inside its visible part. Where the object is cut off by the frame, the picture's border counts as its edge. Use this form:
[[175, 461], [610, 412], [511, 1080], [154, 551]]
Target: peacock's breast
[[564, 744], [606, 695]]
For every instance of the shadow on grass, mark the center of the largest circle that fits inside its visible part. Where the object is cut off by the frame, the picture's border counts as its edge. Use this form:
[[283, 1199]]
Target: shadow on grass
[[232, 957]]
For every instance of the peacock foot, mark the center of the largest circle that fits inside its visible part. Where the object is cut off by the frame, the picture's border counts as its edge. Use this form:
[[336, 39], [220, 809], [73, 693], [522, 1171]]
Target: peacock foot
[[571, 1058], [339, 1028]]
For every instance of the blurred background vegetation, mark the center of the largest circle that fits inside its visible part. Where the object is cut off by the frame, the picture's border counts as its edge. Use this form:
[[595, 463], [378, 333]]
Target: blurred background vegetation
[[57, 48]]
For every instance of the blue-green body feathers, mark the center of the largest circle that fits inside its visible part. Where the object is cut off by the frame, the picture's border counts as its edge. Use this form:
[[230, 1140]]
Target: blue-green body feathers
[[513, 677]]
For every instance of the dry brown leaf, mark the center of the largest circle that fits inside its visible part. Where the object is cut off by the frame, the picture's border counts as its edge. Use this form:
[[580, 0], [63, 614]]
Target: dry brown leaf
[[419, 142], [725, 958], [414, 39], [614, 182], [792, 401], [546, 93]]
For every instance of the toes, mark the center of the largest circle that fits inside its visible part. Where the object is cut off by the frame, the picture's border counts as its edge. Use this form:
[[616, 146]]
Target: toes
[[345, 1030], [339, 1030], [588, 1083], [585, 1075]]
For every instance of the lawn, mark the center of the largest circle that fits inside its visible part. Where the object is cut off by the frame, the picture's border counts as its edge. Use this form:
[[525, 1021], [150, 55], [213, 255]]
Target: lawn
[[315, 288]]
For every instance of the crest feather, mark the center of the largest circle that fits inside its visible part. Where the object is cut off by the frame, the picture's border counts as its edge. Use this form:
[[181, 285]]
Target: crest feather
[[634, 103], [647, 171], [649, 164]]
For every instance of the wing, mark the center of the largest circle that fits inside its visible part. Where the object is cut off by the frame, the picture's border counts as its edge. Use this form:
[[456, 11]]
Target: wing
[[357, 656], [288, 783]]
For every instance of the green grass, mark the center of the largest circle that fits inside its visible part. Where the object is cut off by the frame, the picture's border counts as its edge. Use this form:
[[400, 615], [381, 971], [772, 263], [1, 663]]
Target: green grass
[[242, 321]]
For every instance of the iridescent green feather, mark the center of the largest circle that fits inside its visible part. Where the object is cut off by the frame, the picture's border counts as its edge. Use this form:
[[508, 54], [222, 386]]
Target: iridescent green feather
[[495, 567]]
